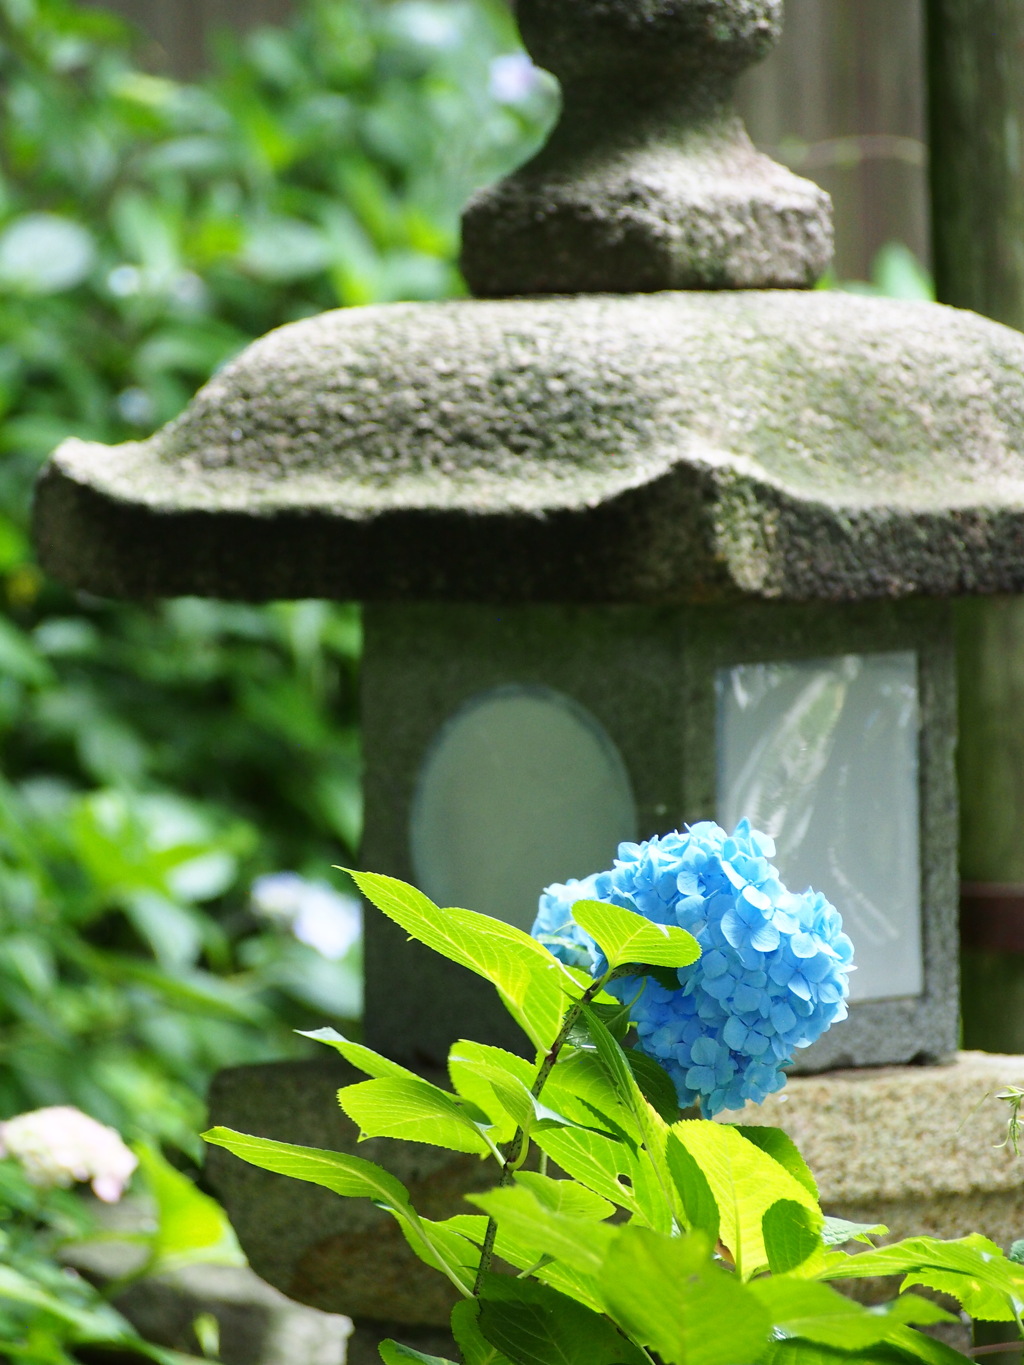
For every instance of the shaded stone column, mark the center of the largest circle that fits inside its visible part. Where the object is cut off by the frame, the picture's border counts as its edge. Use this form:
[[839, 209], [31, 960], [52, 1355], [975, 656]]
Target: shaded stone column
[[976, 104]]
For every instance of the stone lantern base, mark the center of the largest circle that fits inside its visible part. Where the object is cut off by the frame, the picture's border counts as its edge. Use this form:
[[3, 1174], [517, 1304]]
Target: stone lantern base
[[920, 1149]]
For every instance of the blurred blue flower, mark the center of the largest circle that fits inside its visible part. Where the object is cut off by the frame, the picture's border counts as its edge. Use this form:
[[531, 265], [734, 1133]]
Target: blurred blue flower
[[317, 915], [772, 977], [513, 78]]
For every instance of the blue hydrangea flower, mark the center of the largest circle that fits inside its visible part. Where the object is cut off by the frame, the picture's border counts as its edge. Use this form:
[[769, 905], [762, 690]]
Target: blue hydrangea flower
[[773, 973]]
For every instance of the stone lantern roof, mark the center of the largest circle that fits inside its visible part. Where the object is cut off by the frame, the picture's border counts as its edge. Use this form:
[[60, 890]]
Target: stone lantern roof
[[644, 403]]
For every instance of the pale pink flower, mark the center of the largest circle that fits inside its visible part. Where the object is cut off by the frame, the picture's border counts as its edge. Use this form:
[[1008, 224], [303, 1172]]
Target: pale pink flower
[[60, 1145]]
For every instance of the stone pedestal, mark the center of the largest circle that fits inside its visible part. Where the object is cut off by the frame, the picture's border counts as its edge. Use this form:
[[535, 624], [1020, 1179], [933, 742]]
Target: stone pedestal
[[916, 1148]]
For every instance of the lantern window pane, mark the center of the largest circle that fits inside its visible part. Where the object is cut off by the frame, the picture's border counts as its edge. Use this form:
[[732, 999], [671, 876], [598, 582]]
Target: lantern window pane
[[521, 787], [823, 756]]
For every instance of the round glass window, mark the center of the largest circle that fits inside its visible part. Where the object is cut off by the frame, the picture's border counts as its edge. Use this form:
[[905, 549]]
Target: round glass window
[[521, 787]]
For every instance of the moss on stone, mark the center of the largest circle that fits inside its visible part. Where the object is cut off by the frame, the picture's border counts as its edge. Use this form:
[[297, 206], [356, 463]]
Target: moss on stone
[[664, 447]]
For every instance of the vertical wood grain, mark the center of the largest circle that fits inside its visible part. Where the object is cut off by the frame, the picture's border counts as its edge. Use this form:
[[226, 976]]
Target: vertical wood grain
[[976, 66], [842, 101]]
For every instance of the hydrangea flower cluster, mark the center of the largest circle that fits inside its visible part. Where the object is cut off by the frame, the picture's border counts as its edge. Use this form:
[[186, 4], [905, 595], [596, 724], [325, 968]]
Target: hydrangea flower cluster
[[60, 1145], [773, 971]]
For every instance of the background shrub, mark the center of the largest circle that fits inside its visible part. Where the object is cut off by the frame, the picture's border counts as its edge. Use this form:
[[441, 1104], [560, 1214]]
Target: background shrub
[[156, 758]]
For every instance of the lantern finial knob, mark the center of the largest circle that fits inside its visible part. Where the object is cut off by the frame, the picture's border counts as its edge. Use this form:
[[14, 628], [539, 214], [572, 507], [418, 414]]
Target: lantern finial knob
[[649, 181]]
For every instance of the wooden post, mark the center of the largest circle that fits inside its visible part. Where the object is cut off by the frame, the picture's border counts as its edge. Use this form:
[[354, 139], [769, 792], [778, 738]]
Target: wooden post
[[976, 102], [975, 52]]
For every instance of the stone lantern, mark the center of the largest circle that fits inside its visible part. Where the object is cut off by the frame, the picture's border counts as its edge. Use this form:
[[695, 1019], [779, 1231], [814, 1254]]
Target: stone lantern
[[649, 531]]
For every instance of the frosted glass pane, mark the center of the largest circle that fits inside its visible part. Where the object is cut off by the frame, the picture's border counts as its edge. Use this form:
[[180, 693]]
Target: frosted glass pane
[[521, 788], [823, 756]]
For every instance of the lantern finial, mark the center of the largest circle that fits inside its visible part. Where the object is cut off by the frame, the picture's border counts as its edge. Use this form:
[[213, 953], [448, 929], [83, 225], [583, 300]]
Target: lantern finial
[[649, 181]]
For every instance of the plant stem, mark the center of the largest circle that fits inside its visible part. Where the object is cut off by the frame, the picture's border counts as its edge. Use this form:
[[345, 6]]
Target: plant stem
[[514, 1150]]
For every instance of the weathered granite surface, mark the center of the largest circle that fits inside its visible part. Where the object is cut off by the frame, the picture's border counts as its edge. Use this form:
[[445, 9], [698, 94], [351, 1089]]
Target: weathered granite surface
[[647, 675], [913, 1147], [665, 447], [649, 180], [919, 1148]]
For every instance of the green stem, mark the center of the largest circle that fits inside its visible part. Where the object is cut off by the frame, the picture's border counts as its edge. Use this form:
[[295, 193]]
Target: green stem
[[449, 1271], [514, 1151]]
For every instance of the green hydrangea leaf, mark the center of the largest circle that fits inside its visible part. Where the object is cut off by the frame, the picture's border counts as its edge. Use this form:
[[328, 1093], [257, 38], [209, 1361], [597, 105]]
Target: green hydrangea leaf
[[96, 1321], [579, 1087], [565, 1196], [699, 1203], [668, 1294], [337, 1171], [626, 938], [612, 1057], [515, 1097], [361, 1057], [916, 1346], [979, 1300], [411, 1108], [471, 1064], [745, 1182], [474, 1346], [838, 1231], [665, 976], [520, 1249], [792, 1236], [444, 1248], [394, 1353], [912, 1310], [534, 986], [533, 1324], [471, 1225], [781, 1148], [615, 1018], [345, 1175], [655, 1084], [604, 1165], [653, 1188], [903, 1345], [580, 1242], [972, 1269], [191, 1228], [820, 1314], [799, 1352]]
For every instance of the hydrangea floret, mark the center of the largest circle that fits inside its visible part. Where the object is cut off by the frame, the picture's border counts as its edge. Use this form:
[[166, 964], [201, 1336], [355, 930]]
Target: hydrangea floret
[[773, 973]]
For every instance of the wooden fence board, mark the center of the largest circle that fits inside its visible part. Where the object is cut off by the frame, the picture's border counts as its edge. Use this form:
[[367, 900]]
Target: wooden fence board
[[842, 100]]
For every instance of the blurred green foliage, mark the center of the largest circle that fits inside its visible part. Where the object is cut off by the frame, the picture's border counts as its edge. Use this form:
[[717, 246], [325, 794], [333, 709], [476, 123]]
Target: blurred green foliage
[[896, 273], [49, 1311], [155, 758]]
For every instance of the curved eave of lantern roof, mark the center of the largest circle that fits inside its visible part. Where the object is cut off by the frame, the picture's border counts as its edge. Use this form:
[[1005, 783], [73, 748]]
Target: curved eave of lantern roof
[[639, 448]]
